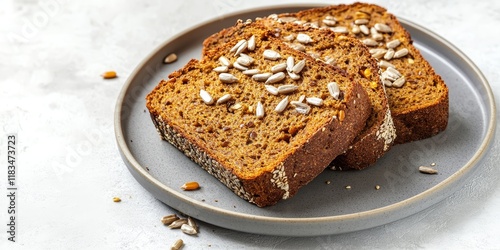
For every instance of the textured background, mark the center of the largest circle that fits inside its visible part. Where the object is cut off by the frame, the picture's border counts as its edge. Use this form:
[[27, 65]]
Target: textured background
[[51, 94]]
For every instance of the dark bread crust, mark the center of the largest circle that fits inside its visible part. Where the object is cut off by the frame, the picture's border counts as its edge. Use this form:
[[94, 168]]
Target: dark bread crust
[[378, 135], [299, 166], [414, 120]]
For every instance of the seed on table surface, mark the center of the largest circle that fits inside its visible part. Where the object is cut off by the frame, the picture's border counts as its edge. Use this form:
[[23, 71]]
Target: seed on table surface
[[275, 78], [348, 187], [223, 99], [240, 67], [177, 223], [304, 38], [290, 62], [334, 90], [251, 43], [237, 45], [221, 69], [271, 89], [227, 78], [389, 54], [187, 229], [377, 187], [361, 21], [116, 199], [384, 28], [109, 75], [224, 61], [271, 55], [168, 219], [315, 101], [278, 68], [400, 53], [172, 57], [364, 29], [281, 105], [192, 223], [287, 89], [189, 186], [393, 44], [177, 245], [427, 170], [297, 68], [262, 77], [251, 72], [259, 111], [340, 29], [206, 97], [399, 82]]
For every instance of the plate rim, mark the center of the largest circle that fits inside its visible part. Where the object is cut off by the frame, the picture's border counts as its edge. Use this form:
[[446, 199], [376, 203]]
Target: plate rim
[[429, 194]]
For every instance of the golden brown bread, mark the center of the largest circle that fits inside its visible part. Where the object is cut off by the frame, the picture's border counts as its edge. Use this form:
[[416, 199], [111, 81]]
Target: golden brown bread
[[420, 106], [349, 54], [262, 157]]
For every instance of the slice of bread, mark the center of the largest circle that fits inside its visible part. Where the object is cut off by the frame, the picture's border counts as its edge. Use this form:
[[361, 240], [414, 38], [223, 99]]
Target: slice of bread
[[231, 128], [349, 54], [420, 105]]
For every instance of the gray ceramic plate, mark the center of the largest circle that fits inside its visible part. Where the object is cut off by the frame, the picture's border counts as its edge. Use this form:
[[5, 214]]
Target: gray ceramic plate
[[318, 208]]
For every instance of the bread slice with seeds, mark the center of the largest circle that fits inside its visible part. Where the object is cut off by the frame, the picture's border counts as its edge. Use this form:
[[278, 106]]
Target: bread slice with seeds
[[263, 138], [349, 54], [418, 97]]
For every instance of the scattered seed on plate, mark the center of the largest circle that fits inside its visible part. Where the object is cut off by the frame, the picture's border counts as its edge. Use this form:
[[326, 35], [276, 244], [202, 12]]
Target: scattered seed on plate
[[189, 186], [116, 199], [377, 187], [348, 187], [172, 57], [328, 182], [109, 75], [427, 170]]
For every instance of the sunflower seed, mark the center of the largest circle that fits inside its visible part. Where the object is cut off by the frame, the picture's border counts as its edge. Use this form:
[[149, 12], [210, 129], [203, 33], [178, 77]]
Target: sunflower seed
[[330, 18], [289, 38], [389, 54], [303, 38], [242, 47], [271, 89], [224, 61], [278, 68], [177, 245], [355, 29], [262, 77], [384, 28], [298, 46], [223, 99], [427, 170], [177, 224], [385, 64], [387, 75], [340, 29], [244, 60], [313, 54], [312, 24], [290, 61], [259, 111], [394, 71], [187, 229], [399, 82], [387, 82], [168, 219], [400, 53], [297, 68], [288, 19], [301, 108], [315, 101], [393, 44], [361, 21], [293, 75], [360, 14], [364, 29], [301, 98], [378, 53], [369, 42], [206, 97], [238, 66], [221, 69], [281, 105], [227, 78], [271, 55], [329, 22], [251, 43], [170, 58], [250, 72], [237, 45], [375, 35], [192, 223], [275, 78], [287, 89], [334, 90]]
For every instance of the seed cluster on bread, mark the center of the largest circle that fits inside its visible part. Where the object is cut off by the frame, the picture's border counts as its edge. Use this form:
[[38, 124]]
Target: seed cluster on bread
[[260, 129], [418, 97], [347, 53]]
